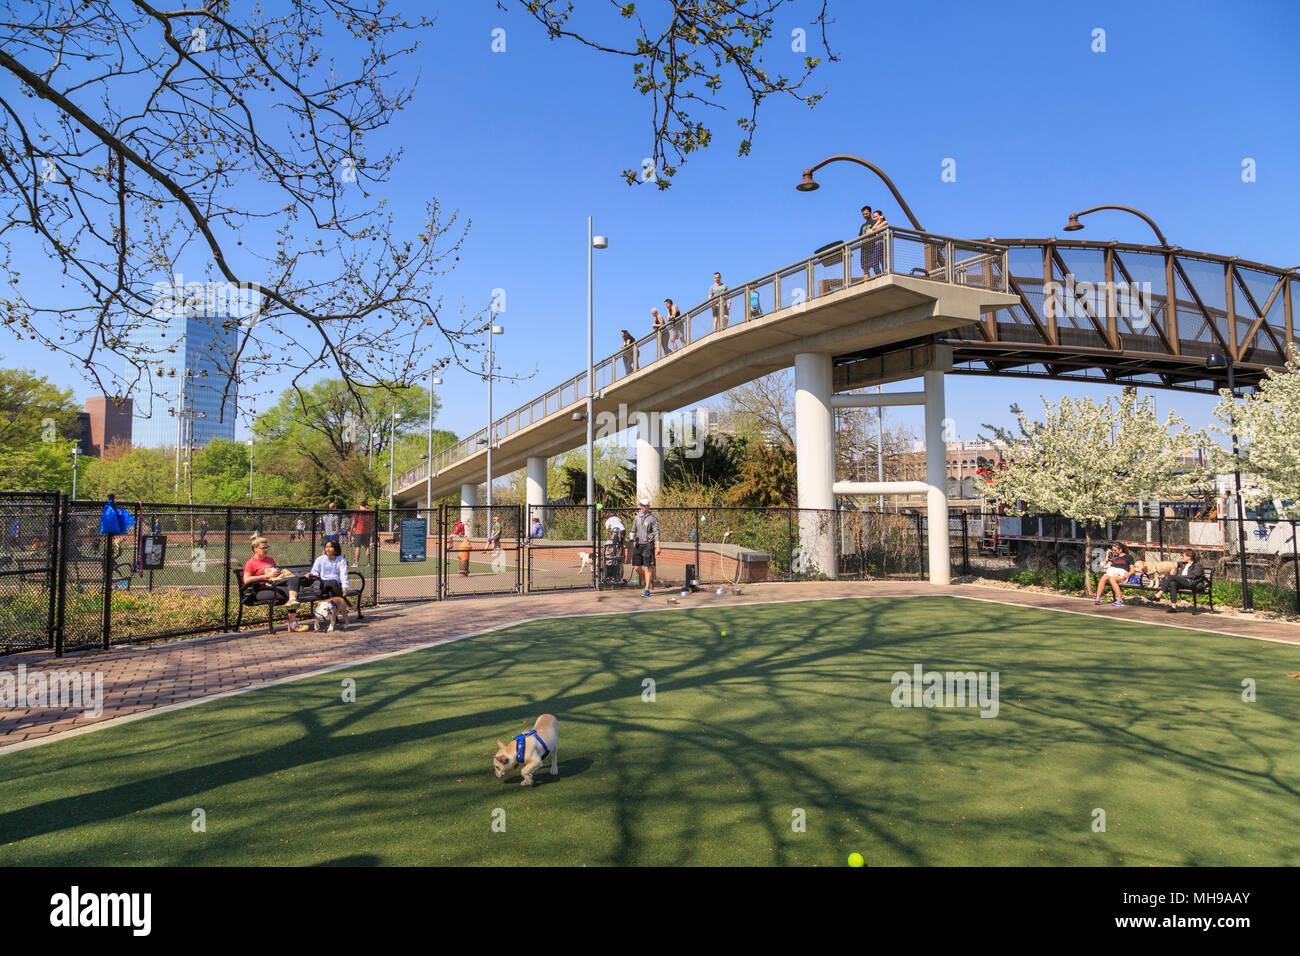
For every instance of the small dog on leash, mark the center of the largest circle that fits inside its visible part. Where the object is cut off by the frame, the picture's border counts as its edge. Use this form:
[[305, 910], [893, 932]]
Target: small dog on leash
[[330, 611], [529, 749]]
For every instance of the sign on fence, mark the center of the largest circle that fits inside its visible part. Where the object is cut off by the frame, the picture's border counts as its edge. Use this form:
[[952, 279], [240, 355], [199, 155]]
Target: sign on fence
[[414, 539]]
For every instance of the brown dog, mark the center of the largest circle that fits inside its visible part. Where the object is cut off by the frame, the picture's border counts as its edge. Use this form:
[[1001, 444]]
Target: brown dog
[[330, 611], [1154, 569], [529, 749]]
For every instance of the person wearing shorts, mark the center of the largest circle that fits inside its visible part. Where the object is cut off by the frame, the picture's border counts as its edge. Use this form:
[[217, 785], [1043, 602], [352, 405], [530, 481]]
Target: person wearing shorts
[[1119, 567], [363, 527], [676, 338], [645, 546]]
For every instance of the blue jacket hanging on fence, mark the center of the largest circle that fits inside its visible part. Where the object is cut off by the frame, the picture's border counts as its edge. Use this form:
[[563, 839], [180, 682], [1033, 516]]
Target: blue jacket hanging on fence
[[115, 520]]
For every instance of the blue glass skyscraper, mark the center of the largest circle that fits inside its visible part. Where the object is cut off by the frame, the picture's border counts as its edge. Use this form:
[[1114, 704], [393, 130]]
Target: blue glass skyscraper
[[189, 354]]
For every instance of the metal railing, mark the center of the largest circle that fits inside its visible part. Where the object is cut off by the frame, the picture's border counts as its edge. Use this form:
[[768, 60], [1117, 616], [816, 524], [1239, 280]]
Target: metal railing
[[892, 250]]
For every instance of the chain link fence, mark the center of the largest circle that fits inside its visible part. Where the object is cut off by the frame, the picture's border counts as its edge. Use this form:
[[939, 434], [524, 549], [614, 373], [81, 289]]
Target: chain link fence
[[63, 585]]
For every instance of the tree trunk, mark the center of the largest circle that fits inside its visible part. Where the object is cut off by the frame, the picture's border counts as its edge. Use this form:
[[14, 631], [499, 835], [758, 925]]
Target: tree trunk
[[1087, 558]]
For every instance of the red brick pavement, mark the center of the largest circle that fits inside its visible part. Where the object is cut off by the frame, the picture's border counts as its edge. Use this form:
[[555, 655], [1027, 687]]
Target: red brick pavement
[[139, 680]]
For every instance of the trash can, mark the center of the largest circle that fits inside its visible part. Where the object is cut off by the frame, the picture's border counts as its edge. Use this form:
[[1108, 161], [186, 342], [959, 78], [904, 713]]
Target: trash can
[[464, 556]]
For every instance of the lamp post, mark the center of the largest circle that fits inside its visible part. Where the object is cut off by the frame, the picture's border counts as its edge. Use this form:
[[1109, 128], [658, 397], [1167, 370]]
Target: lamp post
[[428, 475], [392, 451], [492, 330], [1215, 362], [593, 242], [808, 184], [76, 450], [250, 471], [1074, 225]]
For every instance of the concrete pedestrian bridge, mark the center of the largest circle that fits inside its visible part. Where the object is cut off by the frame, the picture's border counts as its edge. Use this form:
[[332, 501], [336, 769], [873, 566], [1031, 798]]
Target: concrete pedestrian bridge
[[901, 304]]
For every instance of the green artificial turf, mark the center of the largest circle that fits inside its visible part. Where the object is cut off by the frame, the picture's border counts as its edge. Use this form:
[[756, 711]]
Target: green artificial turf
[[790, 710]]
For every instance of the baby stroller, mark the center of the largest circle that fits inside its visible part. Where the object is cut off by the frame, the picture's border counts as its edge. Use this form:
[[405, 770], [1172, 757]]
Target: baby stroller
[[611, 559]]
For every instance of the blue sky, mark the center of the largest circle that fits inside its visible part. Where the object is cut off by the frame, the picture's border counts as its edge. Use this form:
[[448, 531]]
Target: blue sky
[[528, 143]]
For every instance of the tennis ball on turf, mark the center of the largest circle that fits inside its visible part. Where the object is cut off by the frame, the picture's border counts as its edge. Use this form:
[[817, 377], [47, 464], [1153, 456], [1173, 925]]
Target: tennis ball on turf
[[855, 859], [724, 633]]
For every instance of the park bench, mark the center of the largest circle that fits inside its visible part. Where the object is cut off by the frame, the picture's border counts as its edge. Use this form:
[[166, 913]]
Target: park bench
[[1204, 586], [251, 595]]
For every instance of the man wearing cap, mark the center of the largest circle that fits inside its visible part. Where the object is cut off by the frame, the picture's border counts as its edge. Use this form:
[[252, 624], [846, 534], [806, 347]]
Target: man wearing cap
[[645, 545]]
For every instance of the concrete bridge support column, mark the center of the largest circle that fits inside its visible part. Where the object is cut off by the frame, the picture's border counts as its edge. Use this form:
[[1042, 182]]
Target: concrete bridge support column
[[649, 459], [936, 476], [535, 492], [468, 498], [815, 464]]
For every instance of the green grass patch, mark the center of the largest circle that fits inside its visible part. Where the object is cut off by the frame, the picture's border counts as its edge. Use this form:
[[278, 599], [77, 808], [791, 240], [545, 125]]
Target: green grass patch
[[791, 710]]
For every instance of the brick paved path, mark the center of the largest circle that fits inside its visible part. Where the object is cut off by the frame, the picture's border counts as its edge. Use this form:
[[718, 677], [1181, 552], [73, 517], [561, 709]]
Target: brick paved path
[[139, 680]]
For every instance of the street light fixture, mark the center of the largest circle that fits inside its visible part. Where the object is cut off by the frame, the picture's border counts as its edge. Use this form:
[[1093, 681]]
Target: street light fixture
[[250, 471], [1217, 361], [76, 450], [1074, 225], [428, 475], [808, 184], [492, 330], [593, 242], [392, 451]]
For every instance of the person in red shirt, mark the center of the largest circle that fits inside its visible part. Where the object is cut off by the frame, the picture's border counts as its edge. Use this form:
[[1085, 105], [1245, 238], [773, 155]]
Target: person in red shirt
[[363, 528], [261, 569]]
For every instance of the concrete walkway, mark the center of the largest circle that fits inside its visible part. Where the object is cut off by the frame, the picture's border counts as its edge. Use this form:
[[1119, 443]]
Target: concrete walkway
[[144, 679]]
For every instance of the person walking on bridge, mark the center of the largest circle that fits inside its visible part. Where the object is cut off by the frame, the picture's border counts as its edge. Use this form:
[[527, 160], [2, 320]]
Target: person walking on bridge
[[645, 546], [718, 292]]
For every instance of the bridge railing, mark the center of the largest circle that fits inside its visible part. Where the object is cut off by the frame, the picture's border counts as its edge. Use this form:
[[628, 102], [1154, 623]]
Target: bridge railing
[[832, 269]]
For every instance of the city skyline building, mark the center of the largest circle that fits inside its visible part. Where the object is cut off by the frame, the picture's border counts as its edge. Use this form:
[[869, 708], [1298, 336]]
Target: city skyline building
[[189, 353]]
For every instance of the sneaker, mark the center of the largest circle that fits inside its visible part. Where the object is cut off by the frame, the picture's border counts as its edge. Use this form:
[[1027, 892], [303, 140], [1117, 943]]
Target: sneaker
[[1097, 601], [1171, 610], [645, 593], [1117, 603], [293, 603]]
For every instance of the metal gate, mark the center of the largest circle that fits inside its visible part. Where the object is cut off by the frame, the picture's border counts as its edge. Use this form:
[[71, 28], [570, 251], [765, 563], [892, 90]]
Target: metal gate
[[482, 550], [559, 554]]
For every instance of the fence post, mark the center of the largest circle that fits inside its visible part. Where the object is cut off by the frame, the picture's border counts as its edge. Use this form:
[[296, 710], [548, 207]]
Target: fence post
[[920, 545], [442, 531], [1160, 531], [64, 521], [52, 577], [696, 535], [374, 552], [789, 553], [1295, 563], [965, 547], [108, 588], [226, 612], [312, 552]]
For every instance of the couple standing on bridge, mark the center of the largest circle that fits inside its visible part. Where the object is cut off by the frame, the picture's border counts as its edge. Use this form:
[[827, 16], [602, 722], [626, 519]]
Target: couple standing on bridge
[[873, 253]]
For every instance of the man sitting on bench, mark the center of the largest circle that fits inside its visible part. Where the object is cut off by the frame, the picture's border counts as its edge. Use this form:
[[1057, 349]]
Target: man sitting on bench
[[1188, 575]]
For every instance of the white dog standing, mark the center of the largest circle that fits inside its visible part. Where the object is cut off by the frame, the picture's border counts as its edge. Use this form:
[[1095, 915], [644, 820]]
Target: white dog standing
[[529, 749]]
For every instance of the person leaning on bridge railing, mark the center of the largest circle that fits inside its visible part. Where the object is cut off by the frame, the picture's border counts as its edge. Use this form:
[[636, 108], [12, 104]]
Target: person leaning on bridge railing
[[674, 317], [862, 231], [718, 293], [877, 258], [629, 344], [659, 325]]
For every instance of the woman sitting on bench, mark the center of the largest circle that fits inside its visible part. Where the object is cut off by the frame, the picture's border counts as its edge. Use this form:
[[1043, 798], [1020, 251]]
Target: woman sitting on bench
[[1188, 576], [261, 569], [331, 569]]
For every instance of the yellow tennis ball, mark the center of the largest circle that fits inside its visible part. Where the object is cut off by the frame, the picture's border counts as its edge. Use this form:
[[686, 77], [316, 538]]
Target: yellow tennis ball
[[724, 633], [855, 859]]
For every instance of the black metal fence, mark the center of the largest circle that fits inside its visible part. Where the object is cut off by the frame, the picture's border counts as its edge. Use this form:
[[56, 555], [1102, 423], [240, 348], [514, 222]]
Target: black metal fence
[[1052, 551], [64, 586]]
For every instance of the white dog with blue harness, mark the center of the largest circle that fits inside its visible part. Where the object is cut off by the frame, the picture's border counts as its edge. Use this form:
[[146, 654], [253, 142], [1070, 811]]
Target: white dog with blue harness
[[529, 750]]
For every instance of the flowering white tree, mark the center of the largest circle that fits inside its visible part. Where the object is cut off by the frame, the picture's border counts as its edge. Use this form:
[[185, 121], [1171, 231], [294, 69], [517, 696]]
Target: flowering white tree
[[1086, 460], [1267, 425]]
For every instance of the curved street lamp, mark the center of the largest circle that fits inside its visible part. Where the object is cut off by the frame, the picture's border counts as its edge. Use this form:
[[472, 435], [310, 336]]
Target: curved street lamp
[[1215, 362], [808, 184], [1074, 225]]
